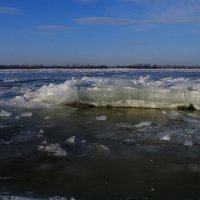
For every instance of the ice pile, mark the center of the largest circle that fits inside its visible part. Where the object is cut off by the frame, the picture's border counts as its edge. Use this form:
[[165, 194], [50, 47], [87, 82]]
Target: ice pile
[[107, 92], [54, 149]]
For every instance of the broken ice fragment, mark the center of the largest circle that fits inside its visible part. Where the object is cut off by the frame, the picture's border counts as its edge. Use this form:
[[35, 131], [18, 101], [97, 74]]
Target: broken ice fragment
[[57, 198], [26, 114], [71, 140], [41, 131], [141, 124], [56, 150], [188, 143], [46, 118], [3, 113], [41, 148], [83, 141], [100, 148], [44, 142], [101, 118], [165, 137], [17, 117]]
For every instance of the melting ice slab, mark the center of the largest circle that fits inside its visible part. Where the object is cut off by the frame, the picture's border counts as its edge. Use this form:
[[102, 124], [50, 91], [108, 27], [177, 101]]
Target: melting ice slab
[[4, 113], [141, 93]]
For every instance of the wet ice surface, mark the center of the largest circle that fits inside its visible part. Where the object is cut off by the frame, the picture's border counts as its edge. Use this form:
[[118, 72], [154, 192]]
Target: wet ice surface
[[135, 153], [85, 153]]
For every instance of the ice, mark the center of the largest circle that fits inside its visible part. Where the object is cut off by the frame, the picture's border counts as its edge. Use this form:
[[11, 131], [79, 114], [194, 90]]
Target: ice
[[65, 93], [72, 198], [71, 140], [5, 178], [41, 131], [57, 198], [26, 115], [165, 137], [46, 118], [142, 92], [83, 141], [17, 117], [101, 118], [194, 167], [188, 143], [125, 125], [44, 142], [143, 124], [100, 148], [54, 149], [40, 148], [4, 113]]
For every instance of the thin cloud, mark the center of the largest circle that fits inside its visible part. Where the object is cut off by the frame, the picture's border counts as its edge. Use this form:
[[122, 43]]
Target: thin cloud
[[51, 27], [102, 21], [162, 19], [136, 43], [9, 10], [87, 1]]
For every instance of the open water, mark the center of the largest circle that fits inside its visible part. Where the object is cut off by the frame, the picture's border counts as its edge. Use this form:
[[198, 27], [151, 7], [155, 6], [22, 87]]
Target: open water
[[99, 134]]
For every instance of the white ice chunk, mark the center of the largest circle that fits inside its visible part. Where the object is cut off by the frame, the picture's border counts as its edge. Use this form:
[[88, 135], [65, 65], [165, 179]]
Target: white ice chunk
[[26, 114], [17, 117], [4, 113], [46, 118], [71, 140], [142, 124], [41, 148], [165, 137], [57, 198], [188, 143], [124, 125], [83, 141], [44, 142], [56, 150], [41, 131], [100, 148], [194, 167], [101, 118]]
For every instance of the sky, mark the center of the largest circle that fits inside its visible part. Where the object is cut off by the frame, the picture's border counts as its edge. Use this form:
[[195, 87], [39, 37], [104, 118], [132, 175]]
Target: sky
[[110, 32]]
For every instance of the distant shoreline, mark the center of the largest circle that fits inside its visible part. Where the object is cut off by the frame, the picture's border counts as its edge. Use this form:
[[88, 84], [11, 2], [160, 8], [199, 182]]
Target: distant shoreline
[[98, 67]]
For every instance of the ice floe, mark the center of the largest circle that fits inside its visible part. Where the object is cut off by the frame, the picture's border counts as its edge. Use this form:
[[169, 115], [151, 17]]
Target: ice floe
[[188, 143], [99, 148], [165, 137], [4, 113], [70, 141], [143, 124], [54, 149], [26, 115], [101, 118]]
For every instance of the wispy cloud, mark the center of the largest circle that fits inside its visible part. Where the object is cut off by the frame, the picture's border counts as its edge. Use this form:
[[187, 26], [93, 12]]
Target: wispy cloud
[[51, 27], [9, 10], [136, 43], [150, 13], [47, 30], [164, 19], [102, 21], [87, 1]]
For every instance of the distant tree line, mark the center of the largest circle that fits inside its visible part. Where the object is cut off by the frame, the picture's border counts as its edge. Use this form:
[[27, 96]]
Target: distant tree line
[[135, 66]]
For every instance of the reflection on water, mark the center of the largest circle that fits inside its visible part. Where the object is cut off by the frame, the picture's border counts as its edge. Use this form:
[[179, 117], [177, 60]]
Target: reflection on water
[[91, 153]]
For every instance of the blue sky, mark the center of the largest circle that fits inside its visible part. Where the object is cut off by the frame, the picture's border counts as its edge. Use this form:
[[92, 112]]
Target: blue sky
[[112, 32]]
